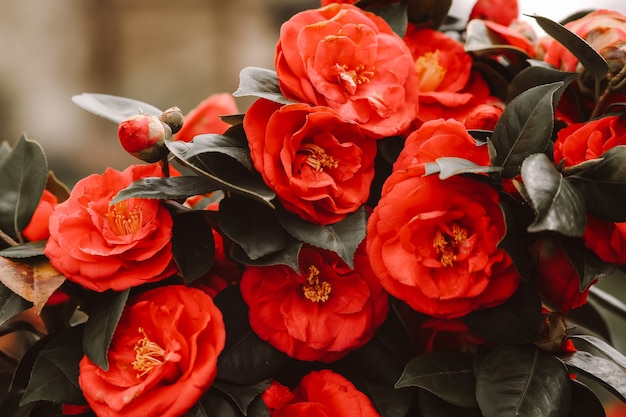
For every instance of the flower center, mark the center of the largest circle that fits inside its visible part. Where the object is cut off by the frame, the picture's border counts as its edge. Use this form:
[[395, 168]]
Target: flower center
[[124, 221], [445, 243], [147, 355], [314, 290], [317, 158], [429, 71], [350, 79]]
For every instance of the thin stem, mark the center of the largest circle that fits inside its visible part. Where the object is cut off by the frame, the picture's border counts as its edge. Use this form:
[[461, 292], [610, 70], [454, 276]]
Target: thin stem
[[7, 239], [166, 166], [609, 302]]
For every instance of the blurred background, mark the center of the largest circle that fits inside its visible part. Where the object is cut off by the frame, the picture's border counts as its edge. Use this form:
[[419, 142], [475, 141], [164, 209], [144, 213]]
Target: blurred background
[[157, 51]]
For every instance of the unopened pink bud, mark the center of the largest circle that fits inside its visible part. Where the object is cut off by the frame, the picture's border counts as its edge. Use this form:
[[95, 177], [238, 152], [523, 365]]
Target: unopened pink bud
[[143, 136]]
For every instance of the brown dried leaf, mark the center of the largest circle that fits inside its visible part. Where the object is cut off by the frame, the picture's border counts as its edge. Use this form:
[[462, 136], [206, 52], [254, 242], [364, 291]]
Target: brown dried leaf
[[32, 279]]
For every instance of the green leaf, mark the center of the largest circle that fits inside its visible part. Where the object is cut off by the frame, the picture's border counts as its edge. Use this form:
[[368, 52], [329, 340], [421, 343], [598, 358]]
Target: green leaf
[[588, 265], [517, 320], [610, 375], [537, 75], [288, 256], [258, 408], [23, 174], [559, 206], [192, 244], [242, 395], [590, 59], [388, 401], [225, 172], [395, 14], [169, 188], [450, 166], [342, 237], [11, 304], [607, 350], [213, 404], [603, 185], [234, 146], [522, 380], [482, 42], [449, 375], [105, 310], [25, 250], [5, 149], [55, 374], [585, 403], [428, 12], [432, 406], [262, 83], [246, 359], [252, 225], [524, 128], [113, 108]]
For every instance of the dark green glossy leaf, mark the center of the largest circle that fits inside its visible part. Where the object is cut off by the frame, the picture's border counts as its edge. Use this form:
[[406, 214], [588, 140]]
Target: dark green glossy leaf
[[234, 146], [224, 171], [395, 14], [23, 174], [585, 403], [11, 304], [607, 350], [449, 375], [588, 319], [342, 237], [607, 301], [603, 185], [262, 83], [482, 42], [288, 256], [213, 404], [450, 166], [192, 244], [113, 108], [610, 375], [538, 75], [258, 408], [169, 188], [55, 374], [432, 406], [251, 225], [522, 380], [430, 13], [524, 128], [242, 395], [588, 57], [246, 359], [21, 376], [105, 310], [559, 206], [26, 250], [517, 320], [388, 401], [587, 264]]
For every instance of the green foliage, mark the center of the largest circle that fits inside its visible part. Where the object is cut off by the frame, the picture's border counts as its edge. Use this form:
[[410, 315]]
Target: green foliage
[[11, 304], [168, 188], [113, 108], [261, 83]]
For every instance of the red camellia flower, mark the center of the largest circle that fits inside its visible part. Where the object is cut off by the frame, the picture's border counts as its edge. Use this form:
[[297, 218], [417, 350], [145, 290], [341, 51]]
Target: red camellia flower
[[345, 58], [143, 136], [434, 244], [162, 357], [37, 228], [438, 139], [320, 393], [320, 314], [448, 86], [503, 12], [580, 142], [320, 166], [102, 246], [484, 116], [205, 118]]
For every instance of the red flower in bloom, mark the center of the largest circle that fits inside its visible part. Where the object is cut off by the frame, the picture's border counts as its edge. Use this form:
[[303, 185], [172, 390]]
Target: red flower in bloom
[[320, 166], [345, 58], [205, 118], [320, 393], [556, 277], [37, 229], [438, 139], [162, 357], [503, 12], [434, 244], [484, 116], [102, 246], [584, 141], [448, 87], [320, 314]]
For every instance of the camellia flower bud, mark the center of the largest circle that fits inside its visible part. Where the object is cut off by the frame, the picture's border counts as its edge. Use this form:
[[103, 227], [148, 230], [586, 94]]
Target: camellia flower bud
[[143, 136], [173, 117]]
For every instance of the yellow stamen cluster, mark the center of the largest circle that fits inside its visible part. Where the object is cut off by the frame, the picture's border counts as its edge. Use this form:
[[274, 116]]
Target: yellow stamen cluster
[[317, 158], [360, 74], [122, 221], [430, 71], [446, 244], [314, 290], [147, 355]]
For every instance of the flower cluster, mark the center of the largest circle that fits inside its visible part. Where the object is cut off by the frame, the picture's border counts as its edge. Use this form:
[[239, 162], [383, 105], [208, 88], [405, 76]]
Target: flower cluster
[[410, 219]]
